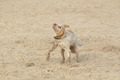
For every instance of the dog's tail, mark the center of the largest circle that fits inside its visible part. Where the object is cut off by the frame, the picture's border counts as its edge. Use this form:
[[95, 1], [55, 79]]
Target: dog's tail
[[80, 42]]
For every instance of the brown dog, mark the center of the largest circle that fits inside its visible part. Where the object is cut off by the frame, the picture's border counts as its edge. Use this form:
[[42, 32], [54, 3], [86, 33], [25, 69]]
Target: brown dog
[[67, 40]]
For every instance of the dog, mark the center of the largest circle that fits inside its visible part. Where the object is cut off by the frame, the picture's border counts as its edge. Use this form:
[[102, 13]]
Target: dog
[[67, 40]]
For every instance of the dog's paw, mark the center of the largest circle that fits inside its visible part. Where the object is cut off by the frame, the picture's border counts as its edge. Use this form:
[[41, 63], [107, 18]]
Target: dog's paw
[[48, 58], [62, 61], [68, 64], [77, 60]]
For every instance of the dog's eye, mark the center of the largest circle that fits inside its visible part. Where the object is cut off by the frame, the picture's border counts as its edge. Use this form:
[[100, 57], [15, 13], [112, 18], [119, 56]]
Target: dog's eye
[[59, 26]]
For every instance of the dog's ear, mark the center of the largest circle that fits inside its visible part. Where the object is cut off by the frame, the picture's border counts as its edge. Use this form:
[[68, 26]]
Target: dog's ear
[[66, 26]]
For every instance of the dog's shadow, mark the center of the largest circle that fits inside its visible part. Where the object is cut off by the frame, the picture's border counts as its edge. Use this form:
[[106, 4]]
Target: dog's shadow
[[83, 58]]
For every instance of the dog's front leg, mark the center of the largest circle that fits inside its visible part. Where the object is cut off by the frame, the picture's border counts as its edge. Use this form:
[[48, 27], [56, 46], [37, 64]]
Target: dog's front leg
[[48, 54], [67, 51], [68, 55], [62, 53]]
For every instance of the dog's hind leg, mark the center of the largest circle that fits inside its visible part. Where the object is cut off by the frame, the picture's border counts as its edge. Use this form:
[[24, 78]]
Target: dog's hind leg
[[77, 54]]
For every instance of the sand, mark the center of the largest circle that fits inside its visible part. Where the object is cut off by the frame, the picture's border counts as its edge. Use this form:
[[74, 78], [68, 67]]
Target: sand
[[26, 35]]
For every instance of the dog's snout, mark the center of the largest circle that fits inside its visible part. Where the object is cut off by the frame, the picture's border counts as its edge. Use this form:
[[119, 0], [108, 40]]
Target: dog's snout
[[54, 24]]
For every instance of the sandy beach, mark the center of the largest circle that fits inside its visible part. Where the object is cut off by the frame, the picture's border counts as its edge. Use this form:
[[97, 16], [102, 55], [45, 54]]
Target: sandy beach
[[26, 35]]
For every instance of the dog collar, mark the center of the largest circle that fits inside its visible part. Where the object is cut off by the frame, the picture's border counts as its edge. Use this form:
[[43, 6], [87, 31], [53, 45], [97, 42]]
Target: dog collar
[[60, 38], [56, 38]]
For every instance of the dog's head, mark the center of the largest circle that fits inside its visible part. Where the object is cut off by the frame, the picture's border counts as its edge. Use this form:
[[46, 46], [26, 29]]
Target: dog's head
[[59, 30]]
